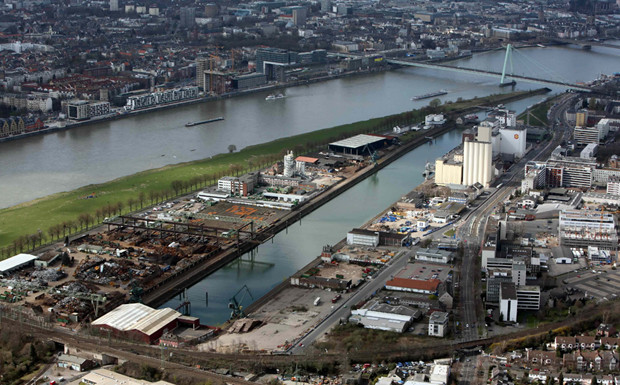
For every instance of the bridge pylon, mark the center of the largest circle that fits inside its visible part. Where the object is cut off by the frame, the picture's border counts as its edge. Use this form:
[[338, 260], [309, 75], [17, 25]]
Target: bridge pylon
[[507, 59]]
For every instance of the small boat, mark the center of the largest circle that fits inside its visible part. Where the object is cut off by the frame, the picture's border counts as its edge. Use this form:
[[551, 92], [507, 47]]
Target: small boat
[[275, 96], [191, 124]]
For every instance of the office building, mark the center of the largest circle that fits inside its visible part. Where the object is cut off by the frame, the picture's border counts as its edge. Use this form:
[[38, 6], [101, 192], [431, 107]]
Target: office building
[[589, 151], [477, 163], [528, 297], [583, 228], [326, 6], [114, 5], [438, 324], [613, 185], [586, 135], [272, 61], [519, 272], [243, 185], [299, 15], [581, 118], [187, 17], [202, 64], [508, 302]]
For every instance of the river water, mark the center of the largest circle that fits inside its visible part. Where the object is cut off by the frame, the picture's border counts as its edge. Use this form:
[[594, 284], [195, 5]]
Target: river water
[[42, 165]]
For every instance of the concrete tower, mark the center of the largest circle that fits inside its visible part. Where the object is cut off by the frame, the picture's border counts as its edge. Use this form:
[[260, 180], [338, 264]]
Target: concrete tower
[[289, 164]]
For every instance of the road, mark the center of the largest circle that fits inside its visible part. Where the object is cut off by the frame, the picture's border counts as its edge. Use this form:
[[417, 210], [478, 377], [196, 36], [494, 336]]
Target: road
[[344, 310]]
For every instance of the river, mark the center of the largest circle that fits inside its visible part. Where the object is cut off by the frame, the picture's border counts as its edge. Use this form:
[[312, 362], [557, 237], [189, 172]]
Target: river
[[38, 166]]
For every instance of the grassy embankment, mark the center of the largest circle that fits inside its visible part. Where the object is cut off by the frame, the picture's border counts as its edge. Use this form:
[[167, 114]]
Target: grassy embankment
[[24, 226], [538, 115]]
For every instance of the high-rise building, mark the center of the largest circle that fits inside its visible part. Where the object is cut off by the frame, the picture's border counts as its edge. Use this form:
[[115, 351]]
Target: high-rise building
[[477, 163], [188, 17], [326, 6], [202, 64], [581, 118], [299, 15], [113, 5]]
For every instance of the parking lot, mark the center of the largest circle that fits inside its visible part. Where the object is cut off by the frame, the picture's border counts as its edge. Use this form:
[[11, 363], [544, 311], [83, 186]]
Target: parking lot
[[424, 271], [599, 283], [286, 317]]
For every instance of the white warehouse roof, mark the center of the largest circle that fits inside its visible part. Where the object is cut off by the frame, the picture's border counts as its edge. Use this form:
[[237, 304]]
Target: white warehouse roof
[[136, 316], [16, 262], [358, 141]]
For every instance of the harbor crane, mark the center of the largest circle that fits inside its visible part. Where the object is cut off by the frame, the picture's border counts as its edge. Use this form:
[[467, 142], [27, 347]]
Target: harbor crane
[[236, 305]]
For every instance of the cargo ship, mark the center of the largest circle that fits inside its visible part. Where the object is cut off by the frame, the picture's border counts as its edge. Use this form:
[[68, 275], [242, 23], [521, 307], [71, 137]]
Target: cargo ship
[[432, 94], [191, 124]]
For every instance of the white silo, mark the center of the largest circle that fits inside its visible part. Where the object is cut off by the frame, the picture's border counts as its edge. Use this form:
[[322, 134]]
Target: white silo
[[289, 164]]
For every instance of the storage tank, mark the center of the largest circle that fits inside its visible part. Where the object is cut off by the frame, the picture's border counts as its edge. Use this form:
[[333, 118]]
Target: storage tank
[[438, 118]]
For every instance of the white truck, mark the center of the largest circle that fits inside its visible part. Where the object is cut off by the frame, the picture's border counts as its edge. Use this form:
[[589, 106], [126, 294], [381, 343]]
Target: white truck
[[317, 301]]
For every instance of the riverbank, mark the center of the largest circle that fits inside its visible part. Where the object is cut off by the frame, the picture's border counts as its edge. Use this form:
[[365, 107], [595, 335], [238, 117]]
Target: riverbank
[[149, 187]]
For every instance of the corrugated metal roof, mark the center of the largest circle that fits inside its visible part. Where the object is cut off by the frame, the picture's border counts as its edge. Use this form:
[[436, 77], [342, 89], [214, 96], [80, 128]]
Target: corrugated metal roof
[[136, 316], [358, 141], [16, 261]]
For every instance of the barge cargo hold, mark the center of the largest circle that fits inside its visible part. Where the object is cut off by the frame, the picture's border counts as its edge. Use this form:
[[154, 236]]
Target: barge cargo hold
[[191, 124], [430, 95]]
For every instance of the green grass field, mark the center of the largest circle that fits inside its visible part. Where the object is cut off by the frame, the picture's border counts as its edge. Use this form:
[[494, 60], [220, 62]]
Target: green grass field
[[538, 116], [21, 224]]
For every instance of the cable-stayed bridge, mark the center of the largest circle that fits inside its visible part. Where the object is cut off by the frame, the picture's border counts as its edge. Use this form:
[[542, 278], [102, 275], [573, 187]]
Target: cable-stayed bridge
[[474, 71]]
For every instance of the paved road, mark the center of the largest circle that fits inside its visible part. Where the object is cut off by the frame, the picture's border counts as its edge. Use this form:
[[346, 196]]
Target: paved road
[[344, 310]]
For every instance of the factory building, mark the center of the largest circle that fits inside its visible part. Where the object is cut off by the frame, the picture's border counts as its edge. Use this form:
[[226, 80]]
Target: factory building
[[513, 141], [363, 237], [138, 322], [477, 163], [381, 316], [434, 255], [16, 262], [448, 171], [413, 285], [359, 144]]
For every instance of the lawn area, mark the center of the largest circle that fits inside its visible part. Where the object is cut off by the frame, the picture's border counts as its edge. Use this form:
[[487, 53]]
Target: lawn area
[[449, 233], [538, 116], [41, 220]]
